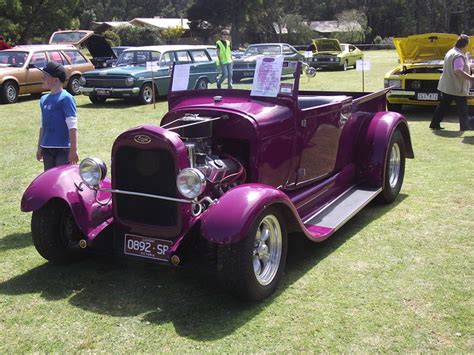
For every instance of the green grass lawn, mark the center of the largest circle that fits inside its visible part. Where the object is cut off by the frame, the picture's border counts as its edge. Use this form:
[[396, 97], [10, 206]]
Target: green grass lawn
[[396, 278]]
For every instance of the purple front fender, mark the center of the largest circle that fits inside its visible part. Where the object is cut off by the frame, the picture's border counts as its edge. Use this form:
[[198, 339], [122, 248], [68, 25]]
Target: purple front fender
[[63, 183], [231, 217]]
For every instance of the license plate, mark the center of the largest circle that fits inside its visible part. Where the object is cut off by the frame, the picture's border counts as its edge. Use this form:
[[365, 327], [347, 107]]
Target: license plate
[[102, 92], [427, 96], [144, 247]]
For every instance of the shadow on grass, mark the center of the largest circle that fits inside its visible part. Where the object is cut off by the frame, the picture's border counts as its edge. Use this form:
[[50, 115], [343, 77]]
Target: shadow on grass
[[15, 241], [117, 104], [188, 298], [469, 140]]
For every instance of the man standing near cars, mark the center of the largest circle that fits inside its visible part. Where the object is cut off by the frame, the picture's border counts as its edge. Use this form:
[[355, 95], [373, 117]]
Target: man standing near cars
[[454, 84], [225, 59], [57, 142]]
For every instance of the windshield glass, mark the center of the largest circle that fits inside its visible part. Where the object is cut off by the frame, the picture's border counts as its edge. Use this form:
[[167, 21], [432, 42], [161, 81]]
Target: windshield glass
[[263, 49], [12, 58], [67, 37], [137, 58]]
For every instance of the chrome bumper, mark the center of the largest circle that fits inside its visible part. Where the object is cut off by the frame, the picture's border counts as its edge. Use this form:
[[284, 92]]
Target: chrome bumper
[[88, 91]]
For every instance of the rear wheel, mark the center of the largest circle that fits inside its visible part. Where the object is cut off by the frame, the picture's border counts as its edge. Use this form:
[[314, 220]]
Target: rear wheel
[[9, 92], [73, 86], [394, 168], [55, 233], [97, 99], [251, 269], [202, 84], [344, 66], [146, 94]]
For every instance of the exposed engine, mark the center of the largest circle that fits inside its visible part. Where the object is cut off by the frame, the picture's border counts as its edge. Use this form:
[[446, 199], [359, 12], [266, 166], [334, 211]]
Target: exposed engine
[[221, 170]]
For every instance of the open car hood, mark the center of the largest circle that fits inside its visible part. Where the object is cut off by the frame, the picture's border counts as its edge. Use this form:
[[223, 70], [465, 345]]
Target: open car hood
[[95, 44], [327, 45], [425, 47]]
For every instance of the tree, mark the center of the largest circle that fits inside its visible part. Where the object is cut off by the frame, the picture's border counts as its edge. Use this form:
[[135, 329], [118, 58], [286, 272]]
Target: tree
[[355, 23], [29, 20], [138, 36], [172, 34]]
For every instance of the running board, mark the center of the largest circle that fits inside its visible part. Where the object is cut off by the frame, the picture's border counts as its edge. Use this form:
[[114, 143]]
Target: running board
[[332, 217]]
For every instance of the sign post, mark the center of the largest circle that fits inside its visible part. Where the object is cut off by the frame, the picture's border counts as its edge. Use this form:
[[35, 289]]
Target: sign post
[[152, 66], [363, 65]]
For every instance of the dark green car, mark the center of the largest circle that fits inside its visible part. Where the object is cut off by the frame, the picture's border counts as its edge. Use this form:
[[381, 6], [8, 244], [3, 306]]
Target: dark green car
[[138, 67]]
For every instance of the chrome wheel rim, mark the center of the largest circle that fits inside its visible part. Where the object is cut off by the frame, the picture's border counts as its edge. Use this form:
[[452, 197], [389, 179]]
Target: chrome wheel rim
[[202, 85], [11, 93], [147, 94], [267, 250], [75, 86], [394, 165]]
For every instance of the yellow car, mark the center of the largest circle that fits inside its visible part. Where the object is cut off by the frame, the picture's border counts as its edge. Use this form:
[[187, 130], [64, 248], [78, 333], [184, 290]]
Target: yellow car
[[415, 79]]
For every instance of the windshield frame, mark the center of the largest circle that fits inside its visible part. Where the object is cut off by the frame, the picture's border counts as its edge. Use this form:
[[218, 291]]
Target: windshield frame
[[120, 61], [255, 48]]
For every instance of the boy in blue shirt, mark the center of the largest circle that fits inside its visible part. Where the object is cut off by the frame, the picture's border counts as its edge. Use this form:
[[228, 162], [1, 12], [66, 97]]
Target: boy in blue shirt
[[57, 143]]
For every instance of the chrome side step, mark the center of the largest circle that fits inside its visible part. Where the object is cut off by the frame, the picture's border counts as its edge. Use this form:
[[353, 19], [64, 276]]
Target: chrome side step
[[333, 216]]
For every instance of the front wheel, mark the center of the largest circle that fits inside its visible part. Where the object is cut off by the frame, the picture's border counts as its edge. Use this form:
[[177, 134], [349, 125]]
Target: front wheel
[[251, 269], [9, 92], [394, 168], [73, 86], [146, 94], [202, 84], [344, 66], [55, 233]]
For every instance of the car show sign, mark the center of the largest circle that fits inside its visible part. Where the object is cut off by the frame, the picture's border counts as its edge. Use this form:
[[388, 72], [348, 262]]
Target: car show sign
[[181, 77], [266, 80], [363, 65]]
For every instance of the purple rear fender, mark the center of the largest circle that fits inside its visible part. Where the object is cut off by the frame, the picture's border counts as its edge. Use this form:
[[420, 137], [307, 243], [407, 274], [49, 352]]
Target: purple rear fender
[[231, 217], [373, 146], [64, 183]]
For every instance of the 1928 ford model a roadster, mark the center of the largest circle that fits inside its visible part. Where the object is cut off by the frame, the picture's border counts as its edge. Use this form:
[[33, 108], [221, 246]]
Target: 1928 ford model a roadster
[[228, 176]]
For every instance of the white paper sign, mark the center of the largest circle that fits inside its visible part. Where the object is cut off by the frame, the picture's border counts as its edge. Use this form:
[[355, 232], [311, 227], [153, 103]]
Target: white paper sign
[[152, 66], [363, 65], [181, 77], [266, 80], [308, 54]]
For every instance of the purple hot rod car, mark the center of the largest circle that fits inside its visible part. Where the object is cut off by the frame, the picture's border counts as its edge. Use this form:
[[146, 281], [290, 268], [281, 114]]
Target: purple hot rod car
[[226, 177]]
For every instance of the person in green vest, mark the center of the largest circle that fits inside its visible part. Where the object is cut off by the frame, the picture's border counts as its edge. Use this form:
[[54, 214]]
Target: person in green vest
[[225, 59], [454, 85]]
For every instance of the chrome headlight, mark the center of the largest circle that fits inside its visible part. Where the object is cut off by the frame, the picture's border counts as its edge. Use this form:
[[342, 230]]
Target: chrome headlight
[[396, 83], [191, 182], [92, 171], [129, 81], [82, 81]]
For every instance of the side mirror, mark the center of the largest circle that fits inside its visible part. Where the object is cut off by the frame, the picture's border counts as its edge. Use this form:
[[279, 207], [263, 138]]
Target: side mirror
[[32, 66]]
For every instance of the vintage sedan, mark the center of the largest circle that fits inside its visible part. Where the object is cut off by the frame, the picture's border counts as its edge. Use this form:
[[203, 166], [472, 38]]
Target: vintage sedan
[[144, 72], [19, 73], [226, 178], [244, 67], [415, 80], [328, 53]]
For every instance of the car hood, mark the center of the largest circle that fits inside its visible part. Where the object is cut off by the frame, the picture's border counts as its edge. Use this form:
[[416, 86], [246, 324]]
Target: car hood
[[96, 44], [426, 47], [327, 45], [119, 71], [246, 59]]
